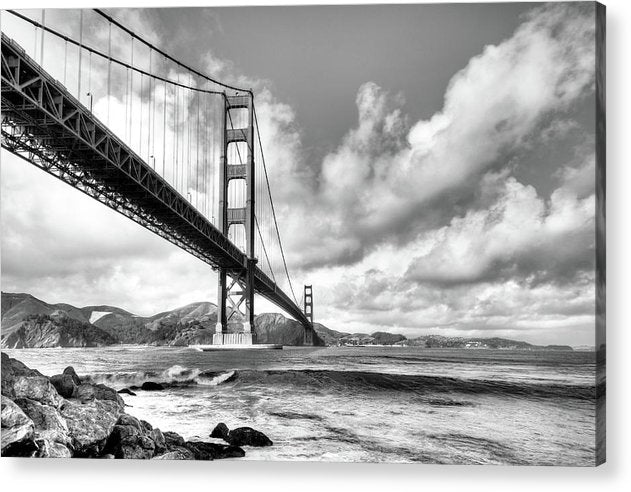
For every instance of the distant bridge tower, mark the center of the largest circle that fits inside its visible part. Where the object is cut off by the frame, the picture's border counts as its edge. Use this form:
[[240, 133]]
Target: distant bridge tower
[[308, 301], [236, 287]]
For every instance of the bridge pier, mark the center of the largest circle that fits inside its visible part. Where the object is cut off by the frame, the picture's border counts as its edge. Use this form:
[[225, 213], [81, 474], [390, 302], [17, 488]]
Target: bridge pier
[[235, 306], [308, 310]]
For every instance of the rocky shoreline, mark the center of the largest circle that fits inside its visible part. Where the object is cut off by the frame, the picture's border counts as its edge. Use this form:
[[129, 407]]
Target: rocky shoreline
[[66, 417]]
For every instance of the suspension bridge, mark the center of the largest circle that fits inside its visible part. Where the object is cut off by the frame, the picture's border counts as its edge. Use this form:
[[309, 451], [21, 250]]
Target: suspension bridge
[[89, 101]]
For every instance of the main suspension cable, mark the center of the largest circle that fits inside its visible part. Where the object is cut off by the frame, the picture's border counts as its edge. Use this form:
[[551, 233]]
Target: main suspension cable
[[269, 191]]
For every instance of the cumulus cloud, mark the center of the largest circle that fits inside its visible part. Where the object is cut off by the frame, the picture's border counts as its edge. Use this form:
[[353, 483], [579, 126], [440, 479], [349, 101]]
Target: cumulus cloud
[[520, 234], [384, 177]]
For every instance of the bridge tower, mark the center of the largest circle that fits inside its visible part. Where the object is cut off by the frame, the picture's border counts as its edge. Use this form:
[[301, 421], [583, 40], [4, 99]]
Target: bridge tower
[[236, 287], [308, 308]]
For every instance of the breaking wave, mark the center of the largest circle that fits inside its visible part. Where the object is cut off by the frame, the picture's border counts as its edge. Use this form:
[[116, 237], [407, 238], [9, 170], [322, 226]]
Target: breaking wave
[[179, 376], [174, 376]]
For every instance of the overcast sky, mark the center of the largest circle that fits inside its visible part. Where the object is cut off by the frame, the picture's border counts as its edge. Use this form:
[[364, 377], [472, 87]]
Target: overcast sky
[[432, 166]]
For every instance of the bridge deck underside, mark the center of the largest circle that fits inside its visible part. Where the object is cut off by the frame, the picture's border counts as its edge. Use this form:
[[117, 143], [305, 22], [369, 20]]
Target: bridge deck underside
[[47, 126]]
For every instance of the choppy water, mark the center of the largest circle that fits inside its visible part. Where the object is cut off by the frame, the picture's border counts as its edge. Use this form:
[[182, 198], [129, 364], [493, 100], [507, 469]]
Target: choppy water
[[402, 404]]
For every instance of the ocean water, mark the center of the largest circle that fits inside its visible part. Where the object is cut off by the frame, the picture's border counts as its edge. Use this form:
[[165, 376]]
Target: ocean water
[[361, 404]]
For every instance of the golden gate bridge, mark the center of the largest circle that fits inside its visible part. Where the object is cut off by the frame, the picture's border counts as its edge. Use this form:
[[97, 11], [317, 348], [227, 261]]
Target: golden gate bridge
[[169, 147]]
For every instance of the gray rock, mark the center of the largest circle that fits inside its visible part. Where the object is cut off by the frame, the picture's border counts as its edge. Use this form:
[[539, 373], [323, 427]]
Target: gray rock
[[102, 392], [127, 391], [207, 451], [173, 440], [176, 454], [151, 386], [51, 449], [90, 424], [64, 384], [230, 451], [220, 431], [10, 369], [49, 424], [17, 430], [36, 388], [84, 393], [126, 419], [246, 436], [159, 441], [69, 371], [130, 440]]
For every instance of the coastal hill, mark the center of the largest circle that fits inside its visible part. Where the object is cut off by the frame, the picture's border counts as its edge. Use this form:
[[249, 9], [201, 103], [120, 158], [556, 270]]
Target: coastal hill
[[30, 322], [333, 337]]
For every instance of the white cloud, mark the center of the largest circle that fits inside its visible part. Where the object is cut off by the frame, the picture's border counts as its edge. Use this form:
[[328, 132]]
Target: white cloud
[[520, 235], [382, 178]]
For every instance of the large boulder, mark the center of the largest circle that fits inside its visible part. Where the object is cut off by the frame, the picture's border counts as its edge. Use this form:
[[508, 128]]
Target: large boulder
[[64, 384], [102, 392], [173, 440], [246, 436], [84, 393], [49, 424], [220, 431], [130, 440], [37, 388], [176, 454], [12, 368], [208, 451], [69, 371], [51, 449], [17, 430], [152, 386], [90, 424], [159, 441]]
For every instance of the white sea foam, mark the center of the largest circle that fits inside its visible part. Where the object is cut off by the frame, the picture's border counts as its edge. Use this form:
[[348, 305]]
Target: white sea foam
[[214, 381]]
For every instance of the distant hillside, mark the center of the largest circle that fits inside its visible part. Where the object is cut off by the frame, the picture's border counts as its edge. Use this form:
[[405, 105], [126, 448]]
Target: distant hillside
[[333, 337], [438, 341], [16, 307], [385, 338], [330, 337], [55, 330], [30, 322]]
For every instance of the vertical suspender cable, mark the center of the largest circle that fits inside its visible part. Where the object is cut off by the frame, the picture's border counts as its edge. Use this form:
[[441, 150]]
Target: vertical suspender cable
[[90, 74], [126, 103], [65, 60], [142, 89], [131, 94], [80, 53], [177, 132], [197, 159], [35, 41], [41, 51], [109, 71], [164, 131], [149, 111], [189, 167], [205, 160], [152, 106]]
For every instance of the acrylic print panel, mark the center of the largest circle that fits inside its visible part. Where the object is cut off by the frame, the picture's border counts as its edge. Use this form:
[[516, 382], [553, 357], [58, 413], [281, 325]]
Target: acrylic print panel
[[344, 233]]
